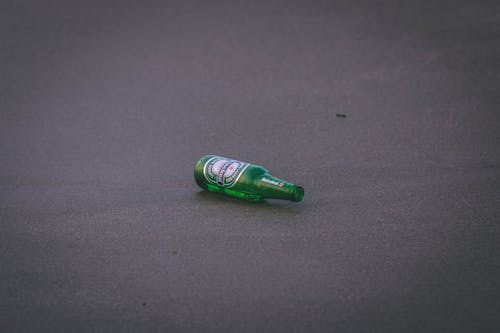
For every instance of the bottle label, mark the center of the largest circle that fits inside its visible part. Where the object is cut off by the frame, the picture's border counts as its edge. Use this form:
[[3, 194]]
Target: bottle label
[[223, 172]]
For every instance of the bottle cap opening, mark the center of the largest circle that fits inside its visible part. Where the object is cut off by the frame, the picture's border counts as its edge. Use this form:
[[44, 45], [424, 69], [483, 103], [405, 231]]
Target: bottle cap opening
[[298, 194]]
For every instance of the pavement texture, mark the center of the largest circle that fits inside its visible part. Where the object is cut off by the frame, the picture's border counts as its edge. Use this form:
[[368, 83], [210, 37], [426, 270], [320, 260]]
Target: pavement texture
[[105, 107]]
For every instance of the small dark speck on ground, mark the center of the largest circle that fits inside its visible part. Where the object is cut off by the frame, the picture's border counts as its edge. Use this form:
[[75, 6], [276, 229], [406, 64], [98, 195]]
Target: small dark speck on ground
[[341, 115], [174, 252], [144, 303]]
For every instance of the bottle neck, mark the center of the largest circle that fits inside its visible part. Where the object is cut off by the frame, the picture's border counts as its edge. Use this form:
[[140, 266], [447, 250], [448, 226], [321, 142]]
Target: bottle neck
[[272, 187]]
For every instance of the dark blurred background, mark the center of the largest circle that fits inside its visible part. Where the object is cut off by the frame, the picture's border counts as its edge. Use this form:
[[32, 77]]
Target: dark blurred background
[[105, 106]]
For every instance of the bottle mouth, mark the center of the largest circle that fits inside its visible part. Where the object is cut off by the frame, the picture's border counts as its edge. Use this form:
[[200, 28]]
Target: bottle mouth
[[298, 193]]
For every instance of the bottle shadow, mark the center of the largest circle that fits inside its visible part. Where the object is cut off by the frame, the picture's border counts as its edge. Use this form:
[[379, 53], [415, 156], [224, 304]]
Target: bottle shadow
[[275, 206]]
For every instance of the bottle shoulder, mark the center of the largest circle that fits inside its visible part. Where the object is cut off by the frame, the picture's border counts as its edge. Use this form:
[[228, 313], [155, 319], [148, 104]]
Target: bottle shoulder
[[255, 171]]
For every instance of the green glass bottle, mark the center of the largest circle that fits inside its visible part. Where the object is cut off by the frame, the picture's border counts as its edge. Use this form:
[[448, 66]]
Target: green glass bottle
[[242, 180]]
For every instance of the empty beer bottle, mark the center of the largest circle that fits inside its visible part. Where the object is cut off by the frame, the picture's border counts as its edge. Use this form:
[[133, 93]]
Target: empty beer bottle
[[242, 180]]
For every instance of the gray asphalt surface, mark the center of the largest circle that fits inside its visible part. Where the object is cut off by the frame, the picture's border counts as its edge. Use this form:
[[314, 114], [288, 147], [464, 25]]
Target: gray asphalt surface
[[105, 107]]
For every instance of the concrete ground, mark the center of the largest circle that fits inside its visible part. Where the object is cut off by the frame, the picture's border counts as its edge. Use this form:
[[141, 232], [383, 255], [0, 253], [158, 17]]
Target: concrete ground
[[105, 107]]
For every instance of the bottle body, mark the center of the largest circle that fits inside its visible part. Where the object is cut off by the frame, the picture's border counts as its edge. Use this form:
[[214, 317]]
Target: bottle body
[[242, 180]]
